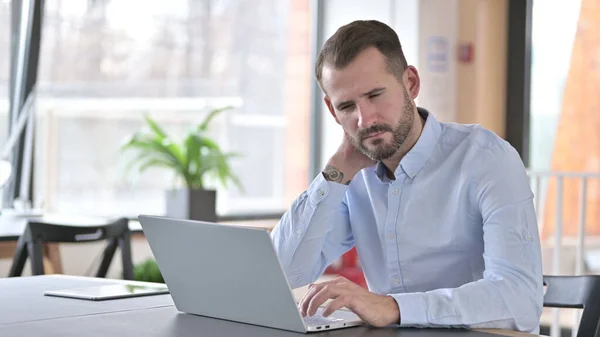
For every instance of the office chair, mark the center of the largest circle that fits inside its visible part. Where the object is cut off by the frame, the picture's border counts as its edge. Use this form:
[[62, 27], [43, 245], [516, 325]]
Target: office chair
[[37, 233], [579, 292]]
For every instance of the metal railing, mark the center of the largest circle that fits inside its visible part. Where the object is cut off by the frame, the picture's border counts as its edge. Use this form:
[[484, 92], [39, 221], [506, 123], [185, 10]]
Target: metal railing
[[540, 181]]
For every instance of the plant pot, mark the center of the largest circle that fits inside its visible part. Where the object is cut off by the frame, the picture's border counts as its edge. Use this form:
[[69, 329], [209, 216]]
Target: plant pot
[[192, 204]]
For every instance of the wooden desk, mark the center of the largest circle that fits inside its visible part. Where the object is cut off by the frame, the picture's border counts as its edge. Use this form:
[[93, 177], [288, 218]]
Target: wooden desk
[[25, 311]]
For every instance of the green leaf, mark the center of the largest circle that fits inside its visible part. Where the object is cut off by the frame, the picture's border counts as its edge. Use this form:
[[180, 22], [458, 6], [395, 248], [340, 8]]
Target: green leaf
[[193, 145], [148, 271], [204, 125], [154, 126], [208, 143], [202, 156], [157, 144], [133, 141], [154, 162], [220, 167], [192, 160], [175, 151], [136, 160], [158, 140]]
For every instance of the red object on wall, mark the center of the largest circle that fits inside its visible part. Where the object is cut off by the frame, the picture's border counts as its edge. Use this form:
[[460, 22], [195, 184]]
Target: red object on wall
[[465, 52], [349, 268]]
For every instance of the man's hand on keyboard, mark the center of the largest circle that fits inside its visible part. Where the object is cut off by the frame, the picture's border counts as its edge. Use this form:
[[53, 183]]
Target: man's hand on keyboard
[[376, 310]]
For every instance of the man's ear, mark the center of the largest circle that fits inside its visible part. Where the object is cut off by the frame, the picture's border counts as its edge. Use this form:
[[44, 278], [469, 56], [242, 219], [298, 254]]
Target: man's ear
[[331, 110], [412, 81]]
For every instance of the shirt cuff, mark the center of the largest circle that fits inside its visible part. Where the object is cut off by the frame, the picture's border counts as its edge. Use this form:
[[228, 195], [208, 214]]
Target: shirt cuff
[[329, 192], [413, 311]]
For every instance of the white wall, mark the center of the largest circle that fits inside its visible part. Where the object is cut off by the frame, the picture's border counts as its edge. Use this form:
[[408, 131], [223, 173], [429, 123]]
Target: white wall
[[438, 31]]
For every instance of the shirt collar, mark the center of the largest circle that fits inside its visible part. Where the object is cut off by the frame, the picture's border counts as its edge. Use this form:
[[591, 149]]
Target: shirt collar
[[416, 158]]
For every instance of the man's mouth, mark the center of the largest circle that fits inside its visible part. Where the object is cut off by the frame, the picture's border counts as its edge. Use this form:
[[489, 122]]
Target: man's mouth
[[373, 135]]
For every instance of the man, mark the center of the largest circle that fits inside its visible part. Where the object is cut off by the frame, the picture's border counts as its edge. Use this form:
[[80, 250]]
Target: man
[[441, 214]]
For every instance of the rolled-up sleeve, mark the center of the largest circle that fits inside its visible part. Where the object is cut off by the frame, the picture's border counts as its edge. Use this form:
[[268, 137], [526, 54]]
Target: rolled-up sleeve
[[313, 232], [510, 294]]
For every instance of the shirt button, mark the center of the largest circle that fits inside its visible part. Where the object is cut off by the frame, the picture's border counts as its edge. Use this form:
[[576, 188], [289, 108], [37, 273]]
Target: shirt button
[[390, 236], [321, 192], [299, 232], [395, 191], [396, 281], [528, 237]]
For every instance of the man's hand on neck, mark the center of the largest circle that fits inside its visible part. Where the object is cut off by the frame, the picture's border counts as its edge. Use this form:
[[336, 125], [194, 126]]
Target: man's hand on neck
[[346, 163]]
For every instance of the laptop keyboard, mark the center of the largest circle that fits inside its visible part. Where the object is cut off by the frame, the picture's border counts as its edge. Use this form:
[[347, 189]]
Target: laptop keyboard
[[319, 320]]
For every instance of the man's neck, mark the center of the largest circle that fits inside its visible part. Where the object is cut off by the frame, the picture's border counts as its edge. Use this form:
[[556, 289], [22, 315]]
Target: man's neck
[[392, 163]]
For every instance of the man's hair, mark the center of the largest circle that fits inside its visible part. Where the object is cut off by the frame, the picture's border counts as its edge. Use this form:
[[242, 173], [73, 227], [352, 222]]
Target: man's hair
[[349, 40]]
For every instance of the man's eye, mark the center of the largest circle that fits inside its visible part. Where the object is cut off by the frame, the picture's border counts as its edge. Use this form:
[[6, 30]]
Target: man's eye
[[375, 95], [346, 107]]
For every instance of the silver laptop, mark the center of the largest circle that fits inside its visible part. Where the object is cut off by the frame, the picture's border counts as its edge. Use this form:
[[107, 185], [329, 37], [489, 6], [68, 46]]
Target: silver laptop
[[230, 272]]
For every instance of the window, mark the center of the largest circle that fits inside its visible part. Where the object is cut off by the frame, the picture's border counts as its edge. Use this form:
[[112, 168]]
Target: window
[[100, 71], [552, 46], [551, 61]]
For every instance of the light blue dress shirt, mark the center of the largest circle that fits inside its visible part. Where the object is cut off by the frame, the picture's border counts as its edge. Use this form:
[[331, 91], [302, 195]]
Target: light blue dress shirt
[[453, 238]]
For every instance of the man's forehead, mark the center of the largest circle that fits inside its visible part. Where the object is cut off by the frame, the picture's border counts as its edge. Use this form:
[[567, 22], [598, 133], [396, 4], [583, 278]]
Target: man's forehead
[[341, 85]]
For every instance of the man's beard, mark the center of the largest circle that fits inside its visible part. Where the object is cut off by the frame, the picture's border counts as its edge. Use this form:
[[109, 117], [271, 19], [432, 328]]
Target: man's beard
[[400, 133]]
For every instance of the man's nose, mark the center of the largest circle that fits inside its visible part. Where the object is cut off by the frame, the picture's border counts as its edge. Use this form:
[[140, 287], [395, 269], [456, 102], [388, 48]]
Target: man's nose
[[367, 115]]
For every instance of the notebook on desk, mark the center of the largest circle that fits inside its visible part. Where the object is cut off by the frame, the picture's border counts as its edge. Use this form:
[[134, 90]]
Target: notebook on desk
[[230, 272]]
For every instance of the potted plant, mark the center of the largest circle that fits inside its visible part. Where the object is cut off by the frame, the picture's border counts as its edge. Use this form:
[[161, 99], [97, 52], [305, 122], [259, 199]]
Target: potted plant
[[192, 160], [148, 271]]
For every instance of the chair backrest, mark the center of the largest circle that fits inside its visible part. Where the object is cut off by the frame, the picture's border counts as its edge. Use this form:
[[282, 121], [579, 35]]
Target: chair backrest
[[53, 232], [581, 292]]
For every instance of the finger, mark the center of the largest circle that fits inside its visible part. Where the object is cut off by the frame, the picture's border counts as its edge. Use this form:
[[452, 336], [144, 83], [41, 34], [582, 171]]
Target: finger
[[336, 304], [339, 279], [330, 291], [312, 290]]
